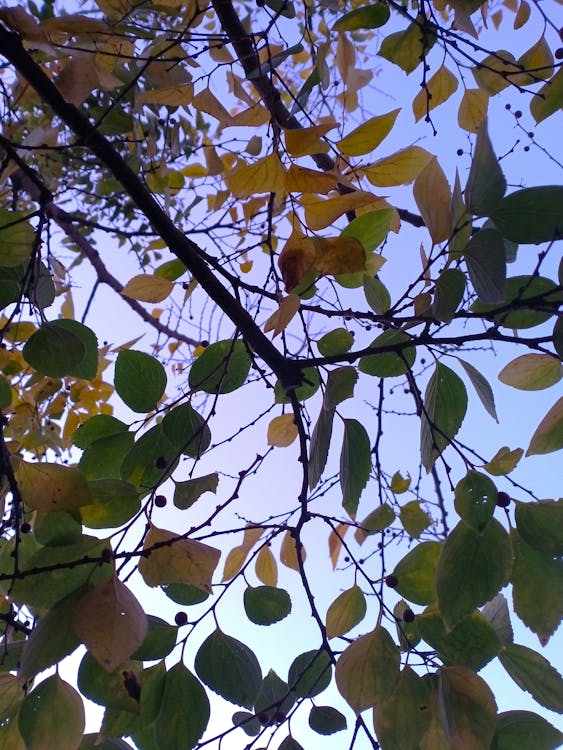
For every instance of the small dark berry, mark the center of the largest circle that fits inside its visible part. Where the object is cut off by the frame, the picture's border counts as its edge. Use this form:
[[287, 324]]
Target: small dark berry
[[459, 152], [391, 581], [160, 501], [518, 114], [559, 53], [503, 500], [530, 134], [526, 148], [180, 619], [408, 615], [106, 555], [161, 463], [204, 344], [263, 718], [507, 106], [279, 716], [25, 528]]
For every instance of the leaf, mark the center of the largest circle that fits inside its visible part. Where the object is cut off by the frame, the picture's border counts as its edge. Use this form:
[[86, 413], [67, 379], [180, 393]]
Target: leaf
[[532, 372], [222, 368], [475, 499], [504, 461], [229, 668], [486, 184], [52, 487], [307, 141], [472, 569], [400, 168], [549, 99], [445, 404], [378, 520], [119, 689], [367, 136], [288, 552], [187, 430], [52, 715], [367, 17], [541, 525], [468, 709], [326, 720], [345, 612], [184, 711], [377, 295], [519, 289], [310, 674], [289, 743], [98, 426], [309, 386], [472, 109], [320, 443], [414, 519], [482, 387], [339, 255], [368, 669], [355, 464], [524, 730], [338, 341], [533, 673], [266, 567], [53, 350], [437, 90], [340, 386], [448, 294], [88, 366], [5, 393], [416, 573], [114, 502], [495, 72], [265, 605], [433, 196], [390, 363], [282, 430], [399, 484], [247, 722], [110, 622], [497, 614], [403, 718], [140, 380], [274, 701], [159, 641], [266, 175], [486, 262], [186, 493], [281, 318], [536, 588], [171, 559], [531, 215], [548, 436], [407, 48], [16, 238], [302, 180], [150, 460], [371, 229], [536, 64], [147, 287]]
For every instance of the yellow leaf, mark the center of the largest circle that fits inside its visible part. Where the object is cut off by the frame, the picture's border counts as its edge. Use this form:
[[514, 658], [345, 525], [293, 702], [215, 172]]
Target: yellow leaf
[[400, 168], [234, 562], [335, 542], [288, 552], [50, 487], [400, 484], [345, 612], [493, 73], [252, 117], [504, 461], [548, 436], [522, 15], [110, 622], [251, 535], [472, 109], [146, 287], [170, 96], [438, 90], [213, 161], [338, 255], [296, 259], [321, 213], [433, 197], [195, 170], [171, 559], [368, 135], [303, 180], [282, 431], [246, 266], [532, 372], [207, 102], [266, 175], [538, 60], [305, 141], [254, 145], [278, 321], [266, 567]]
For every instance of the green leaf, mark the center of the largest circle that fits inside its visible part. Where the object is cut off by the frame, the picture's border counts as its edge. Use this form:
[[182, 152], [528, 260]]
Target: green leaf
[[482, 386], [472, 569], [187, 430], [549, 99], [102, 459], [532, 372], [139, 380], [486, 262], [171, 270], [229, 668], [334, 342], [223, 367], [524, 730], [533, 673], [16, 238], [159, 640], [407, 48], [289, 743], [247, 722], [548, 436], [54, 350], [518, 290], [468, 710], [368, 669], [370, 228], [87, 369], [345, 612], [320, 443], [368, 17], [541, 525], [407, 632], [11, 696], [377, 295], [497, 615], [414, 519], [402, 720], [486, 184], [471, 643], [186, 493], [184, 711], [340, 386], [115, 502], [5, 393], [355, 464], [558, 337], [110, 688], [274, 701], [310, 673], [416, 573], [326, 720], [183, 593], [475, 499], [448, 294], [57, 527], [531, 215], [389, 364], [265, 605], [309, 386], [378, 520], [151, 458], [98, 426], [536, 588], [52, 716], [445, 404]]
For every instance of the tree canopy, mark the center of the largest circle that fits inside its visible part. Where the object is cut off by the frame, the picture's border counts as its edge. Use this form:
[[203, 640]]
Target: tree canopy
[[310, 298]]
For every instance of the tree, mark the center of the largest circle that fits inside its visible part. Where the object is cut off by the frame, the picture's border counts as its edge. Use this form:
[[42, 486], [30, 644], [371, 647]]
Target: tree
[[224, 160]]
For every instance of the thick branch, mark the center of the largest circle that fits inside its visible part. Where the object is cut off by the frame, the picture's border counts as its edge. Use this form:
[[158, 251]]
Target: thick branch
[[184, 248]]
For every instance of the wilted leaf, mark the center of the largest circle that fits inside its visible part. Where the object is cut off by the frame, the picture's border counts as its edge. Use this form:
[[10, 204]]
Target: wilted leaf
[[504, 461], [281, 318], [400, 168], [414, 519]]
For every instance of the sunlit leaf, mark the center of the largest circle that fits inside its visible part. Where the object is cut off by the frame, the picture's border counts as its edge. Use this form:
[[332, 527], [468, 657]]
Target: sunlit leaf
[[414, 519], [266, 175], [504, 461], [282, 430], [378, 520], [367, 136], [549, 99], [436, 91], [472, 109], [289, 555], [433, 196], [416, 573], [468, 709], [281, 318], [407, 48], [148, 288], [532, 372], [52, 487], [400, 168]]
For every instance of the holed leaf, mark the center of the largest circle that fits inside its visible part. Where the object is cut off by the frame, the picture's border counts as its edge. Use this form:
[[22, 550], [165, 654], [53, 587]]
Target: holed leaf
[[475, 499]]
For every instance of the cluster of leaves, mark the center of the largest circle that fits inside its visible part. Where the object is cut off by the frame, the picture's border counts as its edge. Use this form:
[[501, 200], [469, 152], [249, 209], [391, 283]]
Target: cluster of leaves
[[110, 113]]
